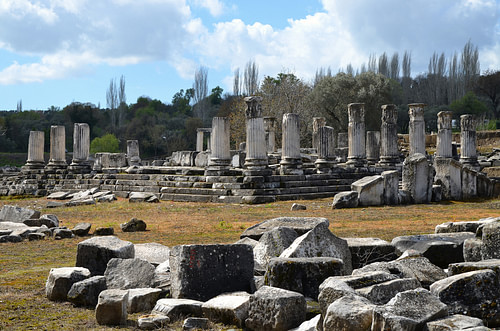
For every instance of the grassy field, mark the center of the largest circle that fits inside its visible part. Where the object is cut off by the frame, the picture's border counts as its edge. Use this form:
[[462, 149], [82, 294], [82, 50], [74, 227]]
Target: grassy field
[[24, 267]]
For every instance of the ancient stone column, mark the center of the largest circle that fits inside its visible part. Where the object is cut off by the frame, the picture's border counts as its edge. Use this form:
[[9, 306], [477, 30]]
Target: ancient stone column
[[468, 153], [342, 140], [35, 151], [417, 128], [326, 149], [372, 147], [199, 140], [291, 161], [81, 147], [317, 123], [256, 158], [356, 132], [220, 155], [389, 153], [57, 147], [444, 137], [270, 129], [133, 156]]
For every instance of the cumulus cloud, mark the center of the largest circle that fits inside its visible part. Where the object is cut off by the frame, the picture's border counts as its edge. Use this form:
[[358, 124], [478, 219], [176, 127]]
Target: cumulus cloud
[[215, 7]]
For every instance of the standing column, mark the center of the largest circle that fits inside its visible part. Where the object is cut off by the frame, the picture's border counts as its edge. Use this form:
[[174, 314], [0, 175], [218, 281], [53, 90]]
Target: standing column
[[444, 138], [199, 140], [417, 128], [318, 122], [326, 150], [256, 158], [389, 153], [35, 151], [468, 153], [372, 147], [291, 161], [57, 147], [356, 132], [81, 146], [220, 155], [270, 129], [133, 155]]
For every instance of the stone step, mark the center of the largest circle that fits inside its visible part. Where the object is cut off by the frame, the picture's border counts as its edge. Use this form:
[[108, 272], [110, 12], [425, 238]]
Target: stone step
[[305, 196], [195, 191], [188, 197]]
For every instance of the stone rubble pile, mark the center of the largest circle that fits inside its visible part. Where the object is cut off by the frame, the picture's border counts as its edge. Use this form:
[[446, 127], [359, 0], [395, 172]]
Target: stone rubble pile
[[282, 268]]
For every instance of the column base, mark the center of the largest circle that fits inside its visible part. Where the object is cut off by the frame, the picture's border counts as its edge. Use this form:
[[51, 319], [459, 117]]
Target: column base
[[214, 170], [356, 162], [33, 167], [291, 167], [324, 166], [256, 164], [81, 168]]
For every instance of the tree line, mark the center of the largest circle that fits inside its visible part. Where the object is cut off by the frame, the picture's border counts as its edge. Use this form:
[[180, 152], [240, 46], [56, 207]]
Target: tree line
[[453, 83]]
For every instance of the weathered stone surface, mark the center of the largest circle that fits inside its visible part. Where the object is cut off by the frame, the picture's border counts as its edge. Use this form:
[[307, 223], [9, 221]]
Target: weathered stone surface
[[472, 249], [11, 226], [440, 249], [303, 275], [272, 244], [475, 293], [437, 193], [491, 241], [275, 309], [10, 239], [309, 325], [370, 190], [81, 229], [62, 233], [196, 323], [320, 242], [80, 202], [471, 226], [454, 322], [36, 236], [448, 175], [300, 224], [111, 307], [59, 195], [229, 308], [381, 293], [152, 322], [419, 268], [348, 199], [162, 276], [133, 225], [140, 196], [17, 214], [106, 198], [129, 273], [298, 206], [54, 204], [418, 176], [463, 267], [104, 231], [225, 268], [350, 312], [49, 220], [86, 292], [60, 281], [177, 309], [391, 187], [408, 310], [154, 253], [368, 250], [94, 253], [404, 197], [142, 299], [248, 241]]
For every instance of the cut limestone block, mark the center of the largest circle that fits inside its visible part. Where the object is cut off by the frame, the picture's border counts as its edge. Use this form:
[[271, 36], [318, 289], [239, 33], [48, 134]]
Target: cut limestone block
[[273, 308], [224, 268], [177, 309], [142, 299], [455, 322], [111, 307], [350, 312], [94, 253], [300, 224], [368, 250], [86, 292], [60, 281], [272, 244], [228, 308], [370, 190], [348, 199], [129, 273]]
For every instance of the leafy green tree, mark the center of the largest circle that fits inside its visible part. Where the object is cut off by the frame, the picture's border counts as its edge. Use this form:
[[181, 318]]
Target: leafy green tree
[[105, 144], [468, 104]]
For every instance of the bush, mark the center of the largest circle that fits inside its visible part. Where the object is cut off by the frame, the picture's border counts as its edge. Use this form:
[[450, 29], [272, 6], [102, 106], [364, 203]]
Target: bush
[[105, 144]]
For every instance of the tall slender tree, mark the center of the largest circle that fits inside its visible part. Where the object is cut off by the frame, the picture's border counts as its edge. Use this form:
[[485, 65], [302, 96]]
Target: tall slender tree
[[251, 78], [200, 88]]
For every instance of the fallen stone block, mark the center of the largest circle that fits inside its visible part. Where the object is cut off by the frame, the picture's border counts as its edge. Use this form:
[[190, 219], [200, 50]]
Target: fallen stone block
[[381, 293], [49, 220], [152, 322], [455, 322], [134, 225], [370, 190], [347, 199], [418, 176], [472, 249], [272, 244], [94, 253], [474, 293], [154, 253], [177, 309], [62, 233], [225, 268], [301, 225], [59, 195], [320, 242], [350, 312], [391, 187], [229, 309], [54, 204], [111, 307], [409, 310], [81, 229], [440, 249], [80, 202], [129, 273], [302, 275], [17, 214], [247, 241], [297, 206], [10, 239], [275, 309], [142, 299], [86, 292], [142, 197], [104, 231], [309, 325], [471, 226], [36, 236], [60, 281], [196, 323], [491, 241], [368, 250], [463, 267]]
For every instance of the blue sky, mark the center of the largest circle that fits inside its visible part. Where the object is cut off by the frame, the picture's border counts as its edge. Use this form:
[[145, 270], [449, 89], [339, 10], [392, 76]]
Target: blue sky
[[54, 52]]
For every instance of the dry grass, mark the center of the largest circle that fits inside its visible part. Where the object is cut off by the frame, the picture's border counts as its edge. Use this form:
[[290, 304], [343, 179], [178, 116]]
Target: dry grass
[[24, 267]]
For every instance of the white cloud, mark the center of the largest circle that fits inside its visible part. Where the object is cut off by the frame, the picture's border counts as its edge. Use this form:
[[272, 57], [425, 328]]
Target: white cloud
[[215, 7]]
